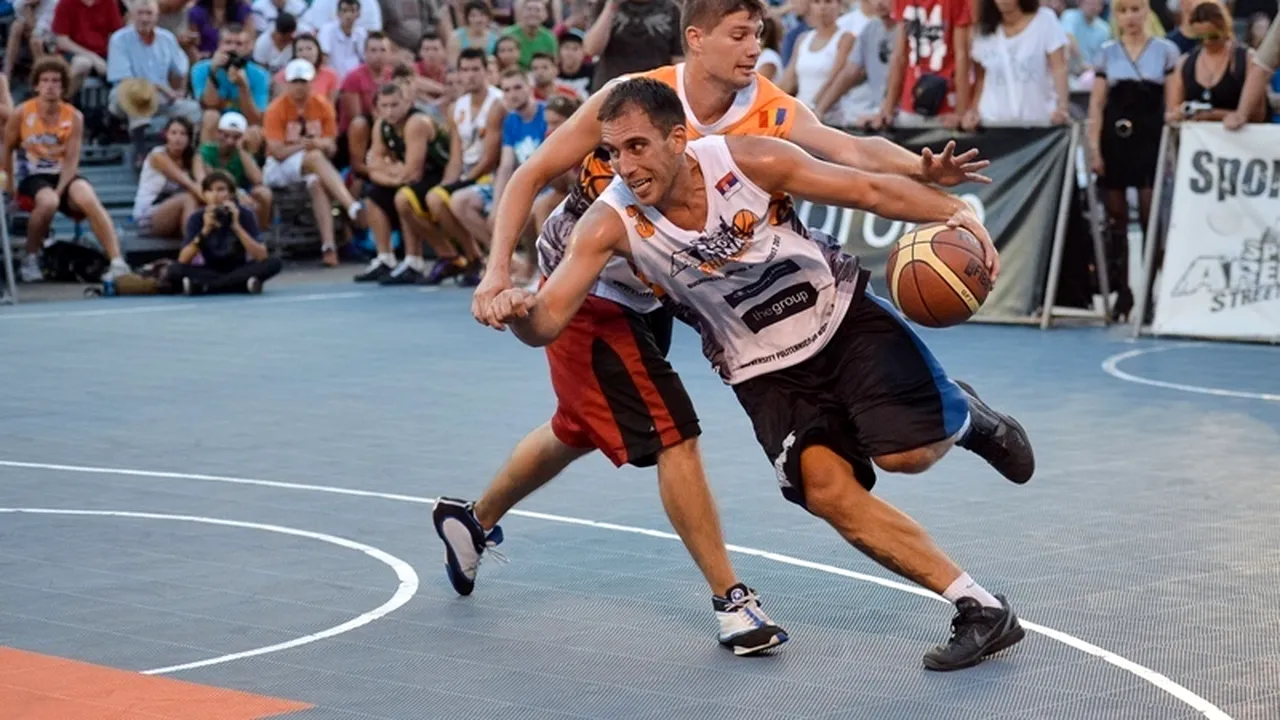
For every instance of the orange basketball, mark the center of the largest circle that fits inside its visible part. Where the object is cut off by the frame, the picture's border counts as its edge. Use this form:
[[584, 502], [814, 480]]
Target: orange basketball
[[937, 276], [744, 223]]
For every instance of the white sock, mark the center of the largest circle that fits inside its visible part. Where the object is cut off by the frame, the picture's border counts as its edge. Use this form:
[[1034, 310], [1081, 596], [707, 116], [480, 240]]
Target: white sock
[[388, 259], [964, 586], [416, 262]]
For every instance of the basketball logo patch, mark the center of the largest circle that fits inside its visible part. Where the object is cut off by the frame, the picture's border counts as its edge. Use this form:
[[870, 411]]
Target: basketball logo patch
[[744, 223], [644, 228]]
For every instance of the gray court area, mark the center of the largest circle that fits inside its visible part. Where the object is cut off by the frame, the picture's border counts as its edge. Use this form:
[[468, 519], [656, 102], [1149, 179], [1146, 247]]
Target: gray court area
[[1149, 534]]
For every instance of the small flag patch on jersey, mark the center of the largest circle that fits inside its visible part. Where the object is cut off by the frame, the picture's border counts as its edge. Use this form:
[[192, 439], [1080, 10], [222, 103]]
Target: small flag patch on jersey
[[772, 117], [728, 185]]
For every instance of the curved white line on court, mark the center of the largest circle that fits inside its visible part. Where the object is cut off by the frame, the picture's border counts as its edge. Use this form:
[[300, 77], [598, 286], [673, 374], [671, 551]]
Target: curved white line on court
[[1160, 681], [1111, 367], [407, 589]]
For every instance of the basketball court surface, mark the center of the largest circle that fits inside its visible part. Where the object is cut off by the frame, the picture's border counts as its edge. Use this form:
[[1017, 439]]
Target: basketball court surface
[[220, 508]]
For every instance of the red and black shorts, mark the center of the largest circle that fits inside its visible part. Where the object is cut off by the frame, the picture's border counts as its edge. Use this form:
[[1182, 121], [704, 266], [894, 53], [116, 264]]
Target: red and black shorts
[[615, 390], [31, 185]]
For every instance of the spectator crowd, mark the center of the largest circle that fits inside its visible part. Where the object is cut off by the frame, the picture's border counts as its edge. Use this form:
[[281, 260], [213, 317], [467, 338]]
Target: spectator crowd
[[402, 121]]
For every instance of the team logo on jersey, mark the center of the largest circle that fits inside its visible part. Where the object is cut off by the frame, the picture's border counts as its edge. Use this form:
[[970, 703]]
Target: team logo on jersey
[[711, 252], [644, 228], [780, 306], [744, 223], [728, 185], [771, 117]]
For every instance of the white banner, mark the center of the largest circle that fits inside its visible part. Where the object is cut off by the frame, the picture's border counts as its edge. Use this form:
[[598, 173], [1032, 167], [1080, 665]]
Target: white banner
[[1221, 272]]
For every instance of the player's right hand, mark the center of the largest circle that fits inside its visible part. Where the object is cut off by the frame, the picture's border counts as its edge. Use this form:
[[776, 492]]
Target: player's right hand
[[512, 304], [495, 281], [968, 220]]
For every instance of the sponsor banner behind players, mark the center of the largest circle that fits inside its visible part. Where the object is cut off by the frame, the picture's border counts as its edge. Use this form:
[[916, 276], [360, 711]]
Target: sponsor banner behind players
[[1019, 207], [1221, 271]]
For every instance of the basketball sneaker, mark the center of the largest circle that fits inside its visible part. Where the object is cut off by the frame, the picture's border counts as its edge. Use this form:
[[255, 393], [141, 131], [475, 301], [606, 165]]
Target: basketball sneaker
[[976, 632], [744, 628], [998, 439], [465, 541]]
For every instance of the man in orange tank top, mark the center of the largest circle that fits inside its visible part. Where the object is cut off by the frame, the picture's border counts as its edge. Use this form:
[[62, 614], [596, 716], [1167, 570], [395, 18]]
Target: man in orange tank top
[[46, 133], [616, 392]]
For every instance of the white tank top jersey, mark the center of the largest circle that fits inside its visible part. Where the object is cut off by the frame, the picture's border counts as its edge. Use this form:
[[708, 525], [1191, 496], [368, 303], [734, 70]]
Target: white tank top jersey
[[761, 292], [616, 282], [471, 126]]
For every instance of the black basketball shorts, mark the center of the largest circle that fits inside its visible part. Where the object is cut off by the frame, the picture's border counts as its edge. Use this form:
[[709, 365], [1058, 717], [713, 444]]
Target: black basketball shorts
[[874, 389]]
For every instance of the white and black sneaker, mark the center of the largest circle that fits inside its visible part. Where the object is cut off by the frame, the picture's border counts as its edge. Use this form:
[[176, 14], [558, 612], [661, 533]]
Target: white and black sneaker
[[465, 541], [744, 628]]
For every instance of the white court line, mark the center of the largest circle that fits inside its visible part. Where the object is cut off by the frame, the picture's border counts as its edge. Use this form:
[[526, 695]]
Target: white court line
[[179, 306], [404, 572], [1160, 681], [1111, 367]]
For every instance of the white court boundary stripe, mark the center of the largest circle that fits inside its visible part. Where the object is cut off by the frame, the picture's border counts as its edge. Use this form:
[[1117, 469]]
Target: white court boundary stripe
[[179, 306], [1160, 681], [404, 572], [1111, 367]]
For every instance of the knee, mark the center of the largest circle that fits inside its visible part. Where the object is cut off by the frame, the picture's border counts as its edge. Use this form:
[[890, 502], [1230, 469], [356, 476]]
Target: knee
[[437, 204], [262, 194], [830, 489], [45, 203], [81, 65], [402, 204], [910, 462], [313, 159]]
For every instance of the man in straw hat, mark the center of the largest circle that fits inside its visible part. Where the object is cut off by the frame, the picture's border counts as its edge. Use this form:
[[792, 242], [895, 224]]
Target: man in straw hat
[[148, 70]]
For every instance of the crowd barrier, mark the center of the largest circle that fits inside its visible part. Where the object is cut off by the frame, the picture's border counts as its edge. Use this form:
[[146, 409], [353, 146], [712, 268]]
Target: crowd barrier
[[1219, 214]]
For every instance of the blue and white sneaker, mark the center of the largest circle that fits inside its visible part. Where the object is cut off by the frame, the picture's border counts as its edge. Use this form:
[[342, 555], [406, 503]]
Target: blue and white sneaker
[[744, 627], [464, 541]]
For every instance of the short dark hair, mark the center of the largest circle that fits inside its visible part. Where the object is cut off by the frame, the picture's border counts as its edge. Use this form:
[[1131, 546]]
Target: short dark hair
[[286, 23], [218, 176], [989, 14], [389, 89], [471, 53], [513, 72], [542, 56], [402, 70], [429, 35], [48, 64], [563, 105], [231, 28], [348, 2], [374, 35], [655, 99], [479, 5], [706, 14]]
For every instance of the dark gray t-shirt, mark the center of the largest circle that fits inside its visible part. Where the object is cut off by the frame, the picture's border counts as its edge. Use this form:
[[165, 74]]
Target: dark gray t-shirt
[[644, 36], [871, 51]]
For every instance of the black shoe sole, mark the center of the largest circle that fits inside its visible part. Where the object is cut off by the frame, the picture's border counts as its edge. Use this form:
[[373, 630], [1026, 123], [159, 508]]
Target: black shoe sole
[[1013, 422], [1008, 639], [758, 645]]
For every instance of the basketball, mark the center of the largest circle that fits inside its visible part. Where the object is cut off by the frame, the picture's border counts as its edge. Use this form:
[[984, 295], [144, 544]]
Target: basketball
[[744, 223], [937, 276]]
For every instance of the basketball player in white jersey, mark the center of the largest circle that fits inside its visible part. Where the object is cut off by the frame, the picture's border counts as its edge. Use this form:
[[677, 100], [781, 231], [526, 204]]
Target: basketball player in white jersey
[[830, 375]]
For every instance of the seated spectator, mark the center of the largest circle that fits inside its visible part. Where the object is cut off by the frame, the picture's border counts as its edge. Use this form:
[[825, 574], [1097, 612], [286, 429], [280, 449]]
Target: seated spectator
[[206, 16], [222, 254], [546, 84], [167, 192], [1020, 59], [228, 154], [326, 83], [1086, 32], [32, 26], [230, 80], [301, 131], [575, 69], [405, 161], [82, 29], [1255, 98], [506, 54], [633, 36], [769, 63], [46, 133], [343, 41], [265, 12], [355, 117], [432, 66], [1211, 77], [274, 50], [477, 32], [322, 12], [149, 58], [529, 33], [819, 56], [859, 90]]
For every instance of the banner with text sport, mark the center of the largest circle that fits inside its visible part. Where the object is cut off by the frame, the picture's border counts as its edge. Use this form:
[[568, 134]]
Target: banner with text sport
[[1221, 271], [1019, 209]]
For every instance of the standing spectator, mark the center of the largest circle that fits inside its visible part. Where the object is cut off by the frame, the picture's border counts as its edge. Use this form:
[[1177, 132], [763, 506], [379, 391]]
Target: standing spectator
[[209, 15], [167, 192], [546, 84], [529, 32], [45, 134], [820, 54], [228, 154], [1213, 73], [858, 91], [1086, 32], [633, 36], [82, 29], [1182, 36], [1020, 59], [1126, 116], [575, 70], [799, 26], [770, 64], [274, 50], [265, 12], [476, 32], [1255, 98], [929, 69], [342, 40], [406, 21], [224, 236], [33, 25], [231, 81], [301, 132], [322, 12], [1258, 26], [326, 83], [144, 53]]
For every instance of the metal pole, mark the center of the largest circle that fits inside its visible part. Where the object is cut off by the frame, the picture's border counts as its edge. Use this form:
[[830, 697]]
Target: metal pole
[[1060, 232], [1150, 235], [12, 283], [1097, 223]]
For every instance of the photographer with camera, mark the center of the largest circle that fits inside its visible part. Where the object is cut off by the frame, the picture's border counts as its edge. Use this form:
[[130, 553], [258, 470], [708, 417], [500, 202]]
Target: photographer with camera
[[231, 81], [224, 236]]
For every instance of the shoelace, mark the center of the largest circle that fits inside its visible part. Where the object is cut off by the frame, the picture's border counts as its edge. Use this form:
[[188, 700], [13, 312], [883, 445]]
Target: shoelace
[[491, 550], [742, 604]]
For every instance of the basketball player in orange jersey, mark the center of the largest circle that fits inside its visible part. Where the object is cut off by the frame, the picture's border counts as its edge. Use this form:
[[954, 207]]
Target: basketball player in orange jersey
[[614, 388], [829, 373], [46, 132]]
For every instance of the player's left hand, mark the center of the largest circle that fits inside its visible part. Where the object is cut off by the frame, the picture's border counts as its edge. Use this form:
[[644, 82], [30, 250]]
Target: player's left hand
[[968, 220], [949, 169], [509, 305]]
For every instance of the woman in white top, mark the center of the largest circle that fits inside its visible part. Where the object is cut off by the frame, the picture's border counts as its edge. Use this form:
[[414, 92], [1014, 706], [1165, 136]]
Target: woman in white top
[[1020, 55], [167, 194], [820, 54]]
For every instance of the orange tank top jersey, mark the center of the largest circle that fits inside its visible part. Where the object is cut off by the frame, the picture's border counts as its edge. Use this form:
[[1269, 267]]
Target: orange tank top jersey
[[42, 146]]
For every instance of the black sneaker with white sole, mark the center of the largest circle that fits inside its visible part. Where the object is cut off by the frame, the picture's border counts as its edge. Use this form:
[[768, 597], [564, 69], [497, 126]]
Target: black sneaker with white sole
[[976, 633], [465, 541], [744, 628], [998, 439]]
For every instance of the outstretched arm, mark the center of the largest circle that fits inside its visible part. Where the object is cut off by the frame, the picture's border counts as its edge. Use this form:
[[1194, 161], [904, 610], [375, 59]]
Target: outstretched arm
[[537, 319], [780, 167]]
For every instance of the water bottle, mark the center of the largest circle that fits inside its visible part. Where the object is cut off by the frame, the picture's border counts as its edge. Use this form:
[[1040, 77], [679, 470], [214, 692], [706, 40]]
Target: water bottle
[[108, 287]]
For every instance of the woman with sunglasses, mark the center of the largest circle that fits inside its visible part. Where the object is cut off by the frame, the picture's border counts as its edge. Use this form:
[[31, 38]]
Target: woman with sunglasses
[[1210, 78]]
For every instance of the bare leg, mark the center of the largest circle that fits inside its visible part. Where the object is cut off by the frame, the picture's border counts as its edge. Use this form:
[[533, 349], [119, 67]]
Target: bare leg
[[316, 163], [444, 217], [167, 218], [536, 459], [83, 200], [380, 227], [468, 207], [19, 29], [915, 461], [321, 208], [261, 195], [682, 483], [41, 219]]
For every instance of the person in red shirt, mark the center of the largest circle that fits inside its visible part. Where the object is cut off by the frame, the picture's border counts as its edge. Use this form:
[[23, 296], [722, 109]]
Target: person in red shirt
[[929, 69], [544, 73], [355, 111], [82, 29]]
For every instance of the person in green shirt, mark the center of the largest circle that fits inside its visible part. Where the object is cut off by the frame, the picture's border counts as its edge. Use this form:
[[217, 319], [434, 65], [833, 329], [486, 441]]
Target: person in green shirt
[[228, 154], [529, 32]]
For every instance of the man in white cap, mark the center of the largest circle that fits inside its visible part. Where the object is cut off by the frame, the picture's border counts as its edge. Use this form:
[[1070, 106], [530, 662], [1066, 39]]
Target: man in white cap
[[301, 130], [226, 152]]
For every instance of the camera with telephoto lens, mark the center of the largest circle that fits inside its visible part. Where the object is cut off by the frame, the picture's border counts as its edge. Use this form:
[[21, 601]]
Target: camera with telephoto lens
[[223, 216], [235, 60]]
